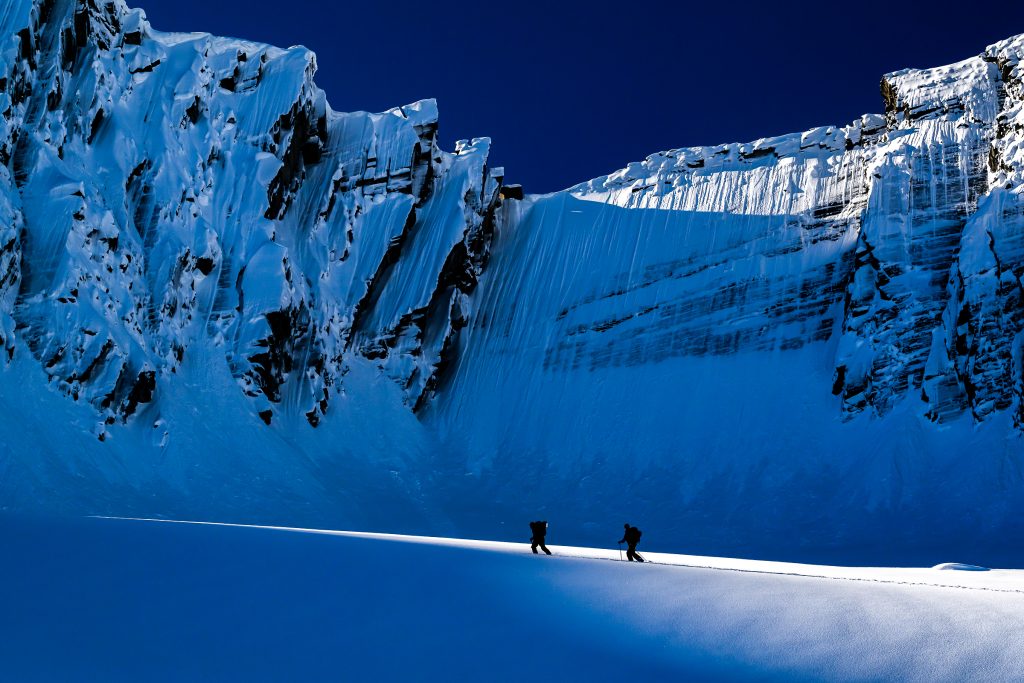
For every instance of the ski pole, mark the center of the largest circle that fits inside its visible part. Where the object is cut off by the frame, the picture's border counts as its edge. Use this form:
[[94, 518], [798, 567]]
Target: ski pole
[[620, 552]]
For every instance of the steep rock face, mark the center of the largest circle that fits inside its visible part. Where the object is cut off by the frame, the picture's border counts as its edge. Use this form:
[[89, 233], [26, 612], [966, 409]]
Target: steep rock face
[[806, 341], [167, 190], [984, 317]]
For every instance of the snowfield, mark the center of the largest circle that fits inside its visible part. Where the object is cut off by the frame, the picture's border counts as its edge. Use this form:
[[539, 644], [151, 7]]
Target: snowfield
[[105, 599]]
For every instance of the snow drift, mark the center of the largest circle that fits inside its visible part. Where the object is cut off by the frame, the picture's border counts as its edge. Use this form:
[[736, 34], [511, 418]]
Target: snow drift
[[172, 602], [220, 298]]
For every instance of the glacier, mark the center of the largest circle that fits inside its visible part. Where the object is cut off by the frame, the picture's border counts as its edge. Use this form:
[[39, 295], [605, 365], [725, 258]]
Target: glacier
[[221, 299]]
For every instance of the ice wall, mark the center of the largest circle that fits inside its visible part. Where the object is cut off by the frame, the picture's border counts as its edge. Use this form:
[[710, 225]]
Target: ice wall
[[221, 298], [807, 341]]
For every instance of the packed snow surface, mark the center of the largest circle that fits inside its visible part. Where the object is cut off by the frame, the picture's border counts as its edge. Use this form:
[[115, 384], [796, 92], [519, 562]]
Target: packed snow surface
[[129, 600]]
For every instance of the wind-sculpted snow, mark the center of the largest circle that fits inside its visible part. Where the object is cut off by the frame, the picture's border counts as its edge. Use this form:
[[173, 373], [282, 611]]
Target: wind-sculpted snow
[[820, 331], [183, 189]]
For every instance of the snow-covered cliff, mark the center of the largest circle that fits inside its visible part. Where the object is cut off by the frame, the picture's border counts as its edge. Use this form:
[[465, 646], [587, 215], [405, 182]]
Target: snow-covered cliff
[[220, 297], [868, 233], [166, 190], [812, 339]]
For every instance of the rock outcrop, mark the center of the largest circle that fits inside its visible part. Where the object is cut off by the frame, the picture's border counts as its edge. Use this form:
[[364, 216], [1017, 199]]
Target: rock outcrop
[[164, 190]]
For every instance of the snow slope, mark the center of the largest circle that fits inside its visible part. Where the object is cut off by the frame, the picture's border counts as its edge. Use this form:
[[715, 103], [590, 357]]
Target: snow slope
[[221, 299], [164, 601]]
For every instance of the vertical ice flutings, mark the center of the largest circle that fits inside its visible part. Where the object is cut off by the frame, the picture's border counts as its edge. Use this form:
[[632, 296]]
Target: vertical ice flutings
[[163, 190], [896, 237]]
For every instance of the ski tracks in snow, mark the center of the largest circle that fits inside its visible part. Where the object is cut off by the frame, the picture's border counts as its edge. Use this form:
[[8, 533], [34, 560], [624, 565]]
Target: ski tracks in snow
[[918, 577]]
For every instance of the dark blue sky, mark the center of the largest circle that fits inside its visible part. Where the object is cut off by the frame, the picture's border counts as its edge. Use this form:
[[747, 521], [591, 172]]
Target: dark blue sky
[[570, 90]]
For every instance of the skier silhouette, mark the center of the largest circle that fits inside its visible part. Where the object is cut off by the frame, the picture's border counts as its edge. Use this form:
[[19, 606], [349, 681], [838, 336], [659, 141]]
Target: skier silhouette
[[539, 529], [632, 536]]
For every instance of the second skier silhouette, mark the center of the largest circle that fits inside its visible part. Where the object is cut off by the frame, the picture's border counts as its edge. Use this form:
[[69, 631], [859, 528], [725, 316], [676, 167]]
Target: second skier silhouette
[[540, 530], [631, 536]]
